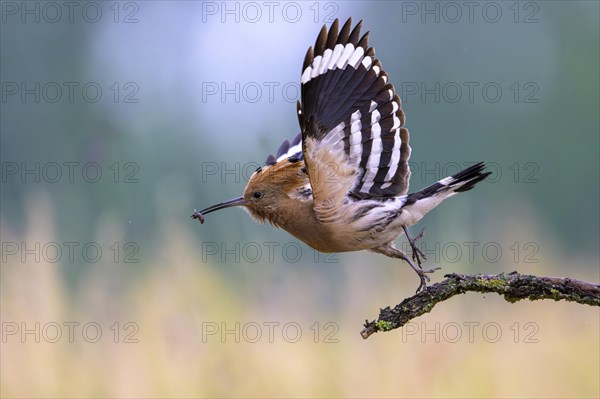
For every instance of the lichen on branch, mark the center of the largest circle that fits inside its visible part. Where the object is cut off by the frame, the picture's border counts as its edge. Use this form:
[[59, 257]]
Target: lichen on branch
[[513, 286]]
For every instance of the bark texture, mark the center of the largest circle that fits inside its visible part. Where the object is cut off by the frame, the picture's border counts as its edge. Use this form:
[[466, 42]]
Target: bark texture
[[513, 286]]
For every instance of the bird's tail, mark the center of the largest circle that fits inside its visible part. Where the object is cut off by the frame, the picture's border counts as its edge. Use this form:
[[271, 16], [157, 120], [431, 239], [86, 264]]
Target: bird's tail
[[457, 183], [419, 203]]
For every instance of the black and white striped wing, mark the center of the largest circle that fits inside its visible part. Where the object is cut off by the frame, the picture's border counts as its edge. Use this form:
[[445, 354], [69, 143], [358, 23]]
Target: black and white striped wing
[[347, 103]]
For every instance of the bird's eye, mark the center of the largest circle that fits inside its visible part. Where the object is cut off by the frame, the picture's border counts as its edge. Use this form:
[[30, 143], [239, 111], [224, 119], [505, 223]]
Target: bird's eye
[[258, 195]]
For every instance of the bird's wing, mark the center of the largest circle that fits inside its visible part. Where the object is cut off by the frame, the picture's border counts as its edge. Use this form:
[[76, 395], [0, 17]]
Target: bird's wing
[[351, 120]]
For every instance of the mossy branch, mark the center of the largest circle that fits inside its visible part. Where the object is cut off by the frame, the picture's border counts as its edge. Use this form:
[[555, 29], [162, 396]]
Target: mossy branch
[[513, 286]]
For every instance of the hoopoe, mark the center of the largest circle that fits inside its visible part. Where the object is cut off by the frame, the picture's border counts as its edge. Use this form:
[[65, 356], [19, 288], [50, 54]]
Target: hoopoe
[[341, 184]]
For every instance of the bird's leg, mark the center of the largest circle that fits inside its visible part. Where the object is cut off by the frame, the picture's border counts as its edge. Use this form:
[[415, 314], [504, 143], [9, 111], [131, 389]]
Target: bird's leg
[[416, 251], [393, 252]]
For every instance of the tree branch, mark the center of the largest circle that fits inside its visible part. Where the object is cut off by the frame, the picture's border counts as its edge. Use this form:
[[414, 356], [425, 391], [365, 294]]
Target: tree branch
[[513, 286]]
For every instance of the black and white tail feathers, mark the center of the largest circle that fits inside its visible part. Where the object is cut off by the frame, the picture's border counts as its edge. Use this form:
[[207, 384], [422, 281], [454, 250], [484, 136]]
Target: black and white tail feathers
[[457, 183]]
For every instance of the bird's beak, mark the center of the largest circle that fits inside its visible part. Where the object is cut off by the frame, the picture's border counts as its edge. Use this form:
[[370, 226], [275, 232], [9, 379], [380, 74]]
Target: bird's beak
[[240, 201]]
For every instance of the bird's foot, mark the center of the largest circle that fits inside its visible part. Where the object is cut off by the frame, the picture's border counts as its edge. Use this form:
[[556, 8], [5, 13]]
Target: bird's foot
[[392, 252], [417, 254], [424, 277], [420, 272]]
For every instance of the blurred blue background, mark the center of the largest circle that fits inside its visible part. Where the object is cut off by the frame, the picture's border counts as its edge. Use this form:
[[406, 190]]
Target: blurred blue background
[[119, 118]]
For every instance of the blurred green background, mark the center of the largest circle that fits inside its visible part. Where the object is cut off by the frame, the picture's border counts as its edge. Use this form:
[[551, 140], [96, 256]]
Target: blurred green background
[[119, 118]]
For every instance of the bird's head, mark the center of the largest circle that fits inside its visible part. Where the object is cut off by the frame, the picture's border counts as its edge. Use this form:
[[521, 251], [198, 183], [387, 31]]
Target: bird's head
[[268, 196]]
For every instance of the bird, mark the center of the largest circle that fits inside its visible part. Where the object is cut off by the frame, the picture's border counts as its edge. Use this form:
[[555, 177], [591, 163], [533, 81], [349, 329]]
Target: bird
[[341, 184]]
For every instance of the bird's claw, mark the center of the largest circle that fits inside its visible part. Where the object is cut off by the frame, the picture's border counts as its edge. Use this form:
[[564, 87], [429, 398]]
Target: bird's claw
[[424, 277]]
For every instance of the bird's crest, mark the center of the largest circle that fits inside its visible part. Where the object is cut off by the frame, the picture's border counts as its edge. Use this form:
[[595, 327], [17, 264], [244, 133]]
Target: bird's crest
[[287, 174], [285, 170]]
